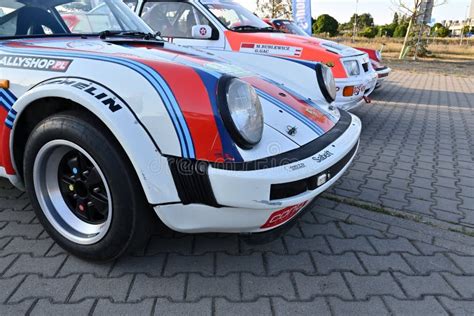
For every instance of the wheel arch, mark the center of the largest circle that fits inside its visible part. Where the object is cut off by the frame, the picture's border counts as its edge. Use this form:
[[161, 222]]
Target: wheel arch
[[139, 147]]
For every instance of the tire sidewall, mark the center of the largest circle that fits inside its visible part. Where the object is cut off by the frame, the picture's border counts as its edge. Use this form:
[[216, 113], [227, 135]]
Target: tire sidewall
[[121, 183]]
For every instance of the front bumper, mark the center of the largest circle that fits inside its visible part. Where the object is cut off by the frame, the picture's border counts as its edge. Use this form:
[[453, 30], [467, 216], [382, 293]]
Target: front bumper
[[364, 86], [250, 201], [382, 74]]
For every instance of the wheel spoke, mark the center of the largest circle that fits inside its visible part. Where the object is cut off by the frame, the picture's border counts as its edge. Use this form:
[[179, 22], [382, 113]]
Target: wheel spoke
[[93, 178], [100, 202], [67, 180]]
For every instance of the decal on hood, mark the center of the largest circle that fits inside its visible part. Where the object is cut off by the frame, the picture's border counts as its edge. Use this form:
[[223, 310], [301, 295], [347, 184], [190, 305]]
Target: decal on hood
[[35, 63], [270, 49]]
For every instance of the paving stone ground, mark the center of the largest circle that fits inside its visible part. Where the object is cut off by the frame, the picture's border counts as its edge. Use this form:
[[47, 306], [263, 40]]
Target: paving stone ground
[[344, 256]]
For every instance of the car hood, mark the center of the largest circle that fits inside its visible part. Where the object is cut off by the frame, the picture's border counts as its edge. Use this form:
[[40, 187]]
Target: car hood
[[284, 110]]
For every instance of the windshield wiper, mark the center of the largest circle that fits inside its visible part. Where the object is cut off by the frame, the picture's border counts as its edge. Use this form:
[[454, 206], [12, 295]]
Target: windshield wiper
[[134, 34]]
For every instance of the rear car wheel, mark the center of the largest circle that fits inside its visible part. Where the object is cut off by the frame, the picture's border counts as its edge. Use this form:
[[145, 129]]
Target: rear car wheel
[[83, 189]]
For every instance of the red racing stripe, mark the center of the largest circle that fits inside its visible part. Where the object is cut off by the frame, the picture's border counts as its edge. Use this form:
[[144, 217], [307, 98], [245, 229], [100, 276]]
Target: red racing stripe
[[190, 92], [5, 157]]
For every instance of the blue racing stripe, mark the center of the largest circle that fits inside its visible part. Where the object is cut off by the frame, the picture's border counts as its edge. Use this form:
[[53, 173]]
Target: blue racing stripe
[[312, 125], [151, 76], [228, 145]]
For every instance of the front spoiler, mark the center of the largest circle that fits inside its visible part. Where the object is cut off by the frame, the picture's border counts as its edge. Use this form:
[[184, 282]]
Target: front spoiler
[[244, 196]]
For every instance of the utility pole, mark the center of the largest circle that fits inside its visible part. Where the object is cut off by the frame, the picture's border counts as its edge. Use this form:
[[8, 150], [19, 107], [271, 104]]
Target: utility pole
[[464, 25], [354, 32]]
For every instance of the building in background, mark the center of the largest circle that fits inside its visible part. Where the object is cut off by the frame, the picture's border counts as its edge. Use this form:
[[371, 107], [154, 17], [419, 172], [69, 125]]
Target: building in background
[[456, 26], [471, 11]]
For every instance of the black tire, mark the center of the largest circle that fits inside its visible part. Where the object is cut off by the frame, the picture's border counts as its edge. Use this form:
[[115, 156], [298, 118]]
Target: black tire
[[132, 216]]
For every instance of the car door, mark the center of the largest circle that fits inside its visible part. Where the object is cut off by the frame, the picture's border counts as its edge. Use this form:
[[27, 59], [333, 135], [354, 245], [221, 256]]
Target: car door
[[175, 20]]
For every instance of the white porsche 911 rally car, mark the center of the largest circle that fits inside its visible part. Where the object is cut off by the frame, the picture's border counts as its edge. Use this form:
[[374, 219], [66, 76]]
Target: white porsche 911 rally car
[[100, 127]]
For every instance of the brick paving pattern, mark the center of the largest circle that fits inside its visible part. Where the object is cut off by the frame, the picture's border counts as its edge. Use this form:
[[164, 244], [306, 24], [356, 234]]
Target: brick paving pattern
[[345, 256]]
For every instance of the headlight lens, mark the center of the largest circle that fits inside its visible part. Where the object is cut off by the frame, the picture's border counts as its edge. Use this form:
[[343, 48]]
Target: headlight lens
[[326, 81], [379, 55], [352, 67], [241, 111]]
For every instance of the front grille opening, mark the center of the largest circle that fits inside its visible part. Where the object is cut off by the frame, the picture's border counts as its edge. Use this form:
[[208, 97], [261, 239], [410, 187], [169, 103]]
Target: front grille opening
[[366, 67], [291, 189], [192, 181]]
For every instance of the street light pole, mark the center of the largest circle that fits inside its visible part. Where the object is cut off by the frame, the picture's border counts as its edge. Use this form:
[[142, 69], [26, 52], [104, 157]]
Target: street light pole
[[354, 33]]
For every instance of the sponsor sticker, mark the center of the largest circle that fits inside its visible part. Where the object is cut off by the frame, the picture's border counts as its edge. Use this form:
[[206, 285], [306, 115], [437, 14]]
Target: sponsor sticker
[[284, 215], [35, 63], [270, 49], [321, 157], [106, 97]]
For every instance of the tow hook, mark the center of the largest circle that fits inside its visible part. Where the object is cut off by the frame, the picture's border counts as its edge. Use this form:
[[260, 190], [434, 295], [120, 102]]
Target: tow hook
[[367, 100]]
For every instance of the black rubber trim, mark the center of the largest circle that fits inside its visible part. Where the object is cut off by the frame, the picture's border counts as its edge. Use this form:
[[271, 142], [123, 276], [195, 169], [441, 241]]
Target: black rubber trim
[[381, 68], [294, 155], [322, 85], [192, 181], [290, 189]]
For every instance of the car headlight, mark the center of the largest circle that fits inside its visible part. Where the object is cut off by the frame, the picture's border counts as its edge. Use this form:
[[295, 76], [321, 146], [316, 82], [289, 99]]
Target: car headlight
[[379, 55], [352, 67], [326, 82], [241, 111]]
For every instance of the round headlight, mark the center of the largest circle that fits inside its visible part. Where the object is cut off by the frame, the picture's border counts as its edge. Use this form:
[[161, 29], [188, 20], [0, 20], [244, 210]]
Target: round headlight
[[241, 111], [326, 82], [379, 55]]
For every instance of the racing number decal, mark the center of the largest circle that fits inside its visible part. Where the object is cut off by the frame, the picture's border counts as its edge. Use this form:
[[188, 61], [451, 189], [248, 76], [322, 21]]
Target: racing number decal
[[284, 215]]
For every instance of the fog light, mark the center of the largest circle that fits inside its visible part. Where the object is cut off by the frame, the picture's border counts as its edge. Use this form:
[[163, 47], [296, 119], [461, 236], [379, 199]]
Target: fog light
[[348, 91], [4, 84], [322, 179]]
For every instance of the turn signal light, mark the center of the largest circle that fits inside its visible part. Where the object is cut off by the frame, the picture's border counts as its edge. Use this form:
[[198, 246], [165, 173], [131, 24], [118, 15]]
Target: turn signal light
[[348, 91], [4, 84]]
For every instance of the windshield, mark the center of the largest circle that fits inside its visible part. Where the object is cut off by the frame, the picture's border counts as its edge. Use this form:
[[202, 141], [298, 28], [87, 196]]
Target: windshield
[[286, 26], [23, 18], [233, 16]]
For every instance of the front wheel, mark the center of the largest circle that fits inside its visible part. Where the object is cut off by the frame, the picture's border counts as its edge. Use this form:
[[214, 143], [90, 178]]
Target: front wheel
[[83, 189]]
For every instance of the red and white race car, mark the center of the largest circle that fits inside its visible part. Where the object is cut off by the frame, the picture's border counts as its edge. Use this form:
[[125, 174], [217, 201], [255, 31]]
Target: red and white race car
[[222, 25], [290, 27], [103, 128]]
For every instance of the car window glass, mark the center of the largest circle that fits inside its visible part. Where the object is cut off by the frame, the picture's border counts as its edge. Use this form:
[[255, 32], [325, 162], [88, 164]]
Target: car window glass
[[173, 19], [20, 18], [84, 16]]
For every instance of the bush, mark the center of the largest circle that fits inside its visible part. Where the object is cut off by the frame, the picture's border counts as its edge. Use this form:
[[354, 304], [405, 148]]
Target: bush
[[370, 32], [401, 30]]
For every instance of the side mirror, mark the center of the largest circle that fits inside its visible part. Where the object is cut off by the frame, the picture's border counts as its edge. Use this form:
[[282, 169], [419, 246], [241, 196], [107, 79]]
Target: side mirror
[[202, 32]]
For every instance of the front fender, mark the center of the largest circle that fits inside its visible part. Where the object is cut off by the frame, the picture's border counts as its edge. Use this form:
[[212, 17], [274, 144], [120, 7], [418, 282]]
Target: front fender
[[151, 167]]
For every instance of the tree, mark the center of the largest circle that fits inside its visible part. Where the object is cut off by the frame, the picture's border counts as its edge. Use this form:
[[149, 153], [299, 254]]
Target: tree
[[466, 29], [413, 8], [395, 18], [274, 8], [326, 24], [363, 21]]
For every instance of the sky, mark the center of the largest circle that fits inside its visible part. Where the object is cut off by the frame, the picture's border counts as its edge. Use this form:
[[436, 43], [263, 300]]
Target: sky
[[381, 10]]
